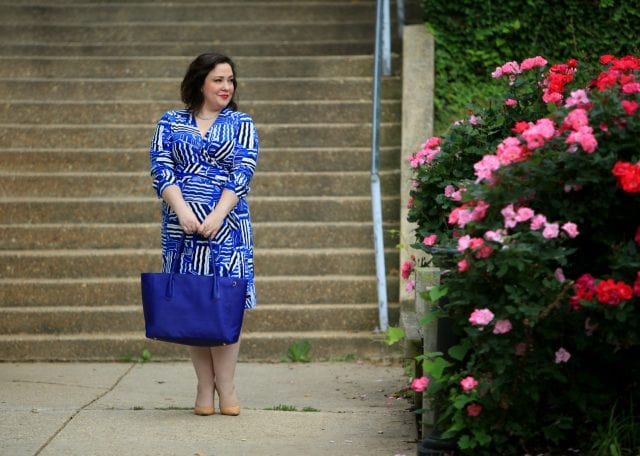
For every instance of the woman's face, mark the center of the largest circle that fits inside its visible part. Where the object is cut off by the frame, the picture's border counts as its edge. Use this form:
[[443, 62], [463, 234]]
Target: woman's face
[[217, 89]]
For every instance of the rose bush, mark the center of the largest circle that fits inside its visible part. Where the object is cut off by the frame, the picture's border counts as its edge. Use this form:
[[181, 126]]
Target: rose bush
[[531, 208]]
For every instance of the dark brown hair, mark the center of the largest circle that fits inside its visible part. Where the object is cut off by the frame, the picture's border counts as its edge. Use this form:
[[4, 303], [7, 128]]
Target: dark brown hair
[[191, 86]]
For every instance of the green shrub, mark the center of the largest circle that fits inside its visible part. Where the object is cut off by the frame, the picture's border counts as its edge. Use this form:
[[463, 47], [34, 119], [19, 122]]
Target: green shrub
[[532, 208]]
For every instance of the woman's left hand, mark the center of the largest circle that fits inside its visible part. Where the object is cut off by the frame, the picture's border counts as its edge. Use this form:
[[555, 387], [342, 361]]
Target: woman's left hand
[[211, 225]]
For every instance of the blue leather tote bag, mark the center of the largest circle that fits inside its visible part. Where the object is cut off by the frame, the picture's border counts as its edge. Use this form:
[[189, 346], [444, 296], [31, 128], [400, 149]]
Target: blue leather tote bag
[[193, 309]]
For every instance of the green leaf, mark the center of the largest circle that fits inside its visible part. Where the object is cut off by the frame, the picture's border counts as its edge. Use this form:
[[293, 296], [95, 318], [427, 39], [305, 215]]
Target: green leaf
[[429, 317], [435, 368], [462, 400], [465, 442], [458, 352], [394, 335], [482, 438], [437, 292]]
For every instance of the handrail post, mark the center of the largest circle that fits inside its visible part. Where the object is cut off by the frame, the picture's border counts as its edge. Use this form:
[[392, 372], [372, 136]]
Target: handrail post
[[386, 37], [376, 197]]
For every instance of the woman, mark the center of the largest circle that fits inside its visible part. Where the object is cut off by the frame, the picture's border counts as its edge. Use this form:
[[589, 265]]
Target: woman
[[202, 160]]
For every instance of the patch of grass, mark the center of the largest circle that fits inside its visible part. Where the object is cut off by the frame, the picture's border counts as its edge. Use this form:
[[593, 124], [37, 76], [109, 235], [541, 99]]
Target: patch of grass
[[347, 358], [298, 352], [144, 357], [310, 409], [283, 408], [172, 407], [137, 407], [620, 436]]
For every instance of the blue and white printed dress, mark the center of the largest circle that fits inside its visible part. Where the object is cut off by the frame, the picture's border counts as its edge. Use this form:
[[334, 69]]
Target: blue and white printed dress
[[203, 167]]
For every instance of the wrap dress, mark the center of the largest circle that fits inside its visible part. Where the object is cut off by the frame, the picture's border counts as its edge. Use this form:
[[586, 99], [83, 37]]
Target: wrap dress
[[225, 158]]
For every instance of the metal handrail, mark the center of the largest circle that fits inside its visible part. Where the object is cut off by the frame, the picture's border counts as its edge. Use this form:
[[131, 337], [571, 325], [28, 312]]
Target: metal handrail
[[382, 52]]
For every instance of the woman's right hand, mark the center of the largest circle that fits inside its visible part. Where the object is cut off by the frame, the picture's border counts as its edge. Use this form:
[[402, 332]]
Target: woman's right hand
[[188, 220]]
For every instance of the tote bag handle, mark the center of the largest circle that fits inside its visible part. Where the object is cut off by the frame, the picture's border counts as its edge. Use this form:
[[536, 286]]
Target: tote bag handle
[[215, 293]]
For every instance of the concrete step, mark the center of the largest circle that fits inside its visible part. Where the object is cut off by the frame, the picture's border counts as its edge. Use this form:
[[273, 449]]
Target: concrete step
[[291, 290], [168, 89], [256, 346], [139, 184], [305, 12], [147, 235], [266, 318], [130, 262], [127, 160], [271, 135], [147, 210], [175, 67], [146, 112], [125, 31], [319, 46]]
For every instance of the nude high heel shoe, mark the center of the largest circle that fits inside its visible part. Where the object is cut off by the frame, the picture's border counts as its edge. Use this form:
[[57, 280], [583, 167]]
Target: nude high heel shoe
[[224, 361], [204, 410], [232, 409]]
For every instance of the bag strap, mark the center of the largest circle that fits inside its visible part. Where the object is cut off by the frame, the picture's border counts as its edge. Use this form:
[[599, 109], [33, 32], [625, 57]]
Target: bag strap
[[178, 255], [215, 292]]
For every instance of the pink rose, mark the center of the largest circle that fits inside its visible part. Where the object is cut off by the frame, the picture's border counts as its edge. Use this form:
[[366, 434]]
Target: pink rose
[[524, 214], [559, 275], [468, 383], [576, 119], [495, 236], [463, 265], [578, 98], [509, 151], [532, 62], [410, 286], [536, 134], [510, 102], [475, 120], [584, 137], [420, 384], [481, 317], [475, 243], [538, 222], [463, 243], [502, 327], [551, 230], [474, 409], [511, 68], [509, 215], [448, 190], [485, 167], [430, 240], [562, 356], [571, 229]]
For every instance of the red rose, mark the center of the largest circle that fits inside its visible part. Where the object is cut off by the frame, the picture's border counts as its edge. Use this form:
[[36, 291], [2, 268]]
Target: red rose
[[612, 293]]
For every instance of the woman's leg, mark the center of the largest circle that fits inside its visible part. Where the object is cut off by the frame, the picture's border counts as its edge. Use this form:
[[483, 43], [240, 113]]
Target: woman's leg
[[203, 365], [225, 358]]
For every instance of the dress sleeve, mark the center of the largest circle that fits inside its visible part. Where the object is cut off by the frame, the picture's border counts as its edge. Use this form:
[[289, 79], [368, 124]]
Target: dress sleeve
[[245, 157], [162, 164]]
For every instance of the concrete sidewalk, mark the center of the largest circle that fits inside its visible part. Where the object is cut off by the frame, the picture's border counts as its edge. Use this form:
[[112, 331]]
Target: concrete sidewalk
[[90, 409]]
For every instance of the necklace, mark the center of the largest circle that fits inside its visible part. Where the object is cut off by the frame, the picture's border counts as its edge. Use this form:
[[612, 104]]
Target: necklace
[[206, 118]]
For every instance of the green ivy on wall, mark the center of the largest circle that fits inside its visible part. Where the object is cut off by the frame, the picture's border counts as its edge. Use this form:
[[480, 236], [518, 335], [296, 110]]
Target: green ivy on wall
[[474, 36]]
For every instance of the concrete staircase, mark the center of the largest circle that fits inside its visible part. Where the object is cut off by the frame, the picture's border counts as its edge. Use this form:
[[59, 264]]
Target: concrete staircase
[[82, 84]]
